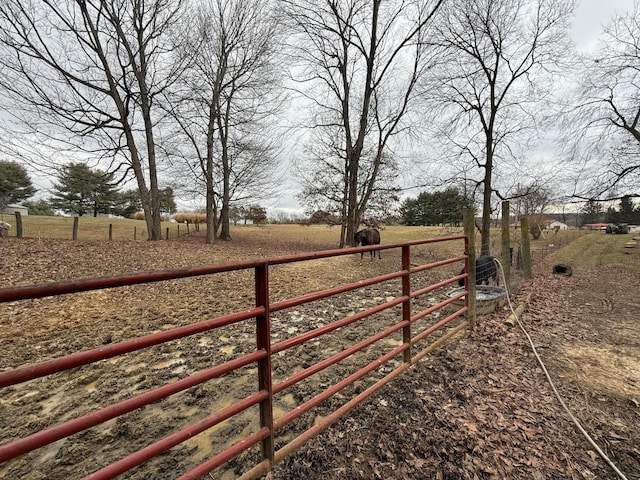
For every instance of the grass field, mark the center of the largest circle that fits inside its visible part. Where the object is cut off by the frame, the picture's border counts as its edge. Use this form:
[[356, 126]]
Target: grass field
[[600, 249], [90, 228], [316, 236]]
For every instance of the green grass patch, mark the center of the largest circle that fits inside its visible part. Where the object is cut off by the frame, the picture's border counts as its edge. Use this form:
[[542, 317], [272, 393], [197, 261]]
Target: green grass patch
[[598, 248]]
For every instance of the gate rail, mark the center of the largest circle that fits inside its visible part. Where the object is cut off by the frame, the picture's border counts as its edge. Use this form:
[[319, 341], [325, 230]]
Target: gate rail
[[262, 356]]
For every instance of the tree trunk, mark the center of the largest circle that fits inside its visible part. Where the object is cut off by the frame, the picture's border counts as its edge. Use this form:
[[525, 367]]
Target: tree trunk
[[225, 232], [211, 210]]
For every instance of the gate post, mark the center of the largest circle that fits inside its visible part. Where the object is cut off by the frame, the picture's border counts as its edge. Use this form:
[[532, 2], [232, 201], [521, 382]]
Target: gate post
[[506, 245], [406, 305], [263, 337]]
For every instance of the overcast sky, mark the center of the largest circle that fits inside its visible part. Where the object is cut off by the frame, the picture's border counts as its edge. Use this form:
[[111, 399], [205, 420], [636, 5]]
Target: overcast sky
[[589, 18], [587, 25], [591, 15]]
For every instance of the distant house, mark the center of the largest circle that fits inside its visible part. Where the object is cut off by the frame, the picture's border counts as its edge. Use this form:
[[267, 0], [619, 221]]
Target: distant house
[[12, 209], [557, 226]]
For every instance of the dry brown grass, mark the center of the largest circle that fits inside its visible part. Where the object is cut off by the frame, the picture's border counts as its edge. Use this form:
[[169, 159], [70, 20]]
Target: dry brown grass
[[607, 369]]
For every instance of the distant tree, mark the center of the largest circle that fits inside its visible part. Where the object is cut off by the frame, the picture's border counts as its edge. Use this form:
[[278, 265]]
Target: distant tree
[[530, 199], [81, 190], [224, 103], [625, 213], [627, 210], [358, 62], [612, 215], [495, 71], [322, 216], [15, 184], [283, 217], [236, 213], [256, 214], [167, 200], [435, 208], [126, 203], [40, 207], [591, 212], [409, 212]]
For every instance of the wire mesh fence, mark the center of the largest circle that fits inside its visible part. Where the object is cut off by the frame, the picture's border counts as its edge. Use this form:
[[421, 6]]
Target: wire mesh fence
[[89, 228]]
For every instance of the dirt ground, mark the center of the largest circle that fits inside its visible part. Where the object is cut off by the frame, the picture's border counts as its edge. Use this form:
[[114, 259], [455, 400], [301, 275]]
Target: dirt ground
[[480, 407]]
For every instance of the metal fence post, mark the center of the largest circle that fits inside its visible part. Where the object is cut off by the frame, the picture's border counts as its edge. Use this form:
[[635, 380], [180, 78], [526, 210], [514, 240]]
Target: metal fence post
[[406, 305], [263, 337]]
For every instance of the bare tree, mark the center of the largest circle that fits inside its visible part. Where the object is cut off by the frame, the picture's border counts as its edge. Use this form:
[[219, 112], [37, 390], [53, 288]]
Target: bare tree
[[530, 199], [94, 68], [606, 111], [496, 59], [324, 172], [224, 102], [357, 64]]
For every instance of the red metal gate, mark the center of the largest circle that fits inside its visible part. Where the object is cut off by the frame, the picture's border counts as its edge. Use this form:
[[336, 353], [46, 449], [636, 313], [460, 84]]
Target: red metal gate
[[411, 325]]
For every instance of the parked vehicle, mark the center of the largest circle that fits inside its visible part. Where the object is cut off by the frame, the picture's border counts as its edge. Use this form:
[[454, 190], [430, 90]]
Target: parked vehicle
[[617, 228]]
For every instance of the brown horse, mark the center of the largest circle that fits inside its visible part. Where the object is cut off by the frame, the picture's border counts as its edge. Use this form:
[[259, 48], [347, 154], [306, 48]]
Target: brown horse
[[368, 236]]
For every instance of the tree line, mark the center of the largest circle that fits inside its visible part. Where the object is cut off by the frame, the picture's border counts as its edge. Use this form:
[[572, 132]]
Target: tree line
[[439, 94], [78, 190]]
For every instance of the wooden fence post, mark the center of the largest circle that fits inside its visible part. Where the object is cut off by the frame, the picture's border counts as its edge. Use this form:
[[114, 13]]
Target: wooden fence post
[[506, 244], [469, 219], [18, 224], [75, 228], [526, 247], [110, 231]]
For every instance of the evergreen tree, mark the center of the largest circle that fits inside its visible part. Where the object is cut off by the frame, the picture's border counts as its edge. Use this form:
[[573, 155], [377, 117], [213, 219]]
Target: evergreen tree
[[81, 190], [627, 210], [126, 203], [435, 208], [41, 207], [591, 212], [167, 200], [409, 212], [15, 184]]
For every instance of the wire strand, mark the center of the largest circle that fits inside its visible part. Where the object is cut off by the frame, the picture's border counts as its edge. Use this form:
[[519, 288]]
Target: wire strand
[[553, 387]]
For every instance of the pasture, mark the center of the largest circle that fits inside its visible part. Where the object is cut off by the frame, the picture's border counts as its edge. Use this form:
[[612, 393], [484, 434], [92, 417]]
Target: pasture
[[53, 326]]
